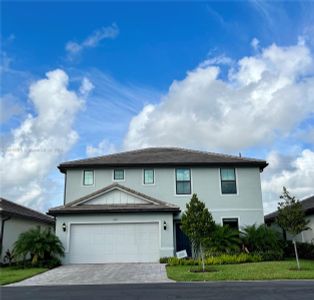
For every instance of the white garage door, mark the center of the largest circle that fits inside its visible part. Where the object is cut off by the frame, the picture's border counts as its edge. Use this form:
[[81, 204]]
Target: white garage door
[[106, 243]]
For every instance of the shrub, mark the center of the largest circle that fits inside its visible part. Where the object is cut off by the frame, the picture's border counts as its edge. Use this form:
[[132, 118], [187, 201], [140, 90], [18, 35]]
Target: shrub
[[42, 246], [224, 240], [164, 260], [261, 239], [216, 260], [305, 250], [270, 255]]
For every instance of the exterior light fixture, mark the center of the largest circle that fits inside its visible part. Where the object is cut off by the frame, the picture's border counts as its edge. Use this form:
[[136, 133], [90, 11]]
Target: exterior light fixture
[[165, 225], [64, 227]]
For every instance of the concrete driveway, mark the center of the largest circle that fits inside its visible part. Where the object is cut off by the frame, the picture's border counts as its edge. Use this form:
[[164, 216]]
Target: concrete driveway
[[99, 274]]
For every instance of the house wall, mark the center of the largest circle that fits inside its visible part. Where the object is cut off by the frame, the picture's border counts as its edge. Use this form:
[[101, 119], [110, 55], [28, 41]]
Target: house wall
[[246, 204], [166, 236], [13, 228], [306, 236]]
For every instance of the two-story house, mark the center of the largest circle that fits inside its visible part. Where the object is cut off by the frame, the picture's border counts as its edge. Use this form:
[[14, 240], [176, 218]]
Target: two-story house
[[126, 207]]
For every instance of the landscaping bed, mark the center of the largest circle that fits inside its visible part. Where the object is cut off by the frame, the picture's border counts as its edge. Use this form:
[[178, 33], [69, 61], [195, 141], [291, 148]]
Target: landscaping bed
[[15, 274], [246, 271]]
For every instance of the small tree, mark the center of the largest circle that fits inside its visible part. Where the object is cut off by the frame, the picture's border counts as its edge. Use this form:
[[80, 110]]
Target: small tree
[[291, 218], [197, 224]]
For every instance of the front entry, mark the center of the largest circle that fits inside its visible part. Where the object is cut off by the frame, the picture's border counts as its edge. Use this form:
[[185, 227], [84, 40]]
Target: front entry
[[182, 241]]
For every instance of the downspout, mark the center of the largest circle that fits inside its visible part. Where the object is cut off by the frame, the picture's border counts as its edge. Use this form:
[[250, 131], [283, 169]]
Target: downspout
[[2, 231]]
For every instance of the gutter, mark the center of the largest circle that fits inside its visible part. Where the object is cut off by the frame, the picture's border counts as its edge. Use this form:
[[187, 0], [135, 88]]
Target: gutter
[[2, 231]]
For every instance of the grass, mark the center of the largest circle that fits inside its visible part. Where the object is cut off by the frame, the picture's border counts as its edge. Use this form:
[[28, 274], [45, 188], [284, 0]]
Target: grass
[[246, 271], [15, 274]]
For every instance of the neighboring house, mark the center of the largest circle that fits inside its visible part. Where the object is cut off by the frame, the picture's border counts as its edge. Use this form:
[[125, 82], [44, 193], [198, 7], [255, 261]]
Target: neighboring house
[[126, 207], [306, 236], [15, 219]]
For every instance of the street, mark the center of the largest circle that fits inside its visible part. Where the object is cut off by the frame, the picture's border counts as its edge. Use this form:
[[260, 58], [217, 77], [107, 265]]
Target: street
[[270, 290]]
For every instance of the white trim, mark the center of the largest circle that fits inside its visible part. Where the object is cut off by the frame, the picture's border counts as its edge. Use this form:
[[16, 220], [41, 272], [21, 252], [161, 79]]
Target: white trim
[[237, 183], [82, 178], [119, 180], [69, 224], [231, 217], [175, 182], [143, 177]]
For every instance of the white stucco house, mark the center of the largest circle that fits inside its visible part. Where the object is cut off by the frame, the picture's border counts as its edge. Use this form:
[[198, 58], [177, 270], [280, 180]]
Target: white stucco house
[[306, 236], [15, 219], [126, 207]]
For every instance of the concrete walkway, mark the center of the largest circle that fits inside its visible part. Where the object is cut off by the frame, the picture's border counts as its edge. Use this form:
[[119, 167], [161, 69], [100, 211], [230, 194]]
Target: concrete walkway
[[99, 274]]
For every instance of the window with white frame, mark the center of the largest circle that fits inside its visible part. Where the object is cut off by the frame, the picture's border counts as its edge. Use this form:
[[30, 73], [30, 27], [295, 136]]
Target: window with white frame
[[149, 176], [228, 181], [118, 174], [88, 177], [183, 181]]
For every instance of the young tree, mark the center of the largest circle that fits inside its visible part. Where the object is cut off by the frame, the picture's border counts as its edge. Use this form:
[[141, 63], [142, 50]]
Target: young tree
[[291, 218], [197, 224]]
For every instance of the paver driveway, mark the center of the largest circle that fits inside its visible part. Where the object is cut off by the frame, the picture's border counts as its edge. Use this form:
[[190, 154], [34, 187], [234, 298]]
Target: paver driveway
[[99, 274]]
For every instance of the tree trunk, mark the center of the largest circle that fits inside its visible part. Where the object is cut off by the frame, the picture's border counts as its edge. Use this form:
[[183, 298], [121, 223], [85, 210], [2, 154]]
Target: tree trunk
[[296, 253], [202, 257]]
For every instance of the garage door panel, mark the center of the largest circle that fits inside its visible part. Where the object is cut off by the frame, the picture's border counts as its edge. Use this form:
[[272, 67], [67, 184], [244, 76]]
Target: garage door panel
[[103, 243]]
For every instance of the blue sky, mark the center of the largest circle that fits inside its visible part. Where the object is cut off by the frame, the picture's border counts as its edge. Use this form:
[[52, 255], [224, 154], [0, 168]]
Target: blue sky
[[141, 60]]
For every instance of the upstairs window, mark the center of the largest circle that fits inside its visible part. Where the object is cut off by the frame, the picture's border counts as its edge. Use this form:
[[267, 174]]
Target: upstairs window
[[88, 177], [149, 176], [228, 181], [231, 222], [118, 174], [183, 181]]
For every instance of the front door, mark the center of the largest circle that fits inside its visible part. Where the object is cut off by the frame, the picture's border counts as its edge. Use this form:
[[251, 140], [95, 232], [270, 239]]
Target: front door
[[182, 241]]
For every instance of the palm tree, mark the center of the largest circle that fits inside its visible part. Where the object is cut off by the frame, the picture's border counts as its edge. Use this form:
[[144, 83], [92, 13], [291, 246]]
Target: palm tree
[[40, 245], [261, 239], [224, 240]]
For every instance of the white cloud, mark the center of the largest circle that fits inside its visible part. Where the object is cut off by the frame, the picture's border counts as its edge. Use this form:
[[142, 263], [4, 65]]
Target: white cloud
[[263, 100], [103, 148], [74, 48], [255, 44], [39, 143], [86, 86], [217, 60], [296, 174]]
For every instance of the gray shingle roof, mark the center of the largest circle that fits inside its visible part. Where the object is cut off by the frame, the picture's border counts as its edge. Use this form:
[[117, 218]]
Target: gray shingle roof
[[307, 205], [153, 204], [9, 208], [163, 157]]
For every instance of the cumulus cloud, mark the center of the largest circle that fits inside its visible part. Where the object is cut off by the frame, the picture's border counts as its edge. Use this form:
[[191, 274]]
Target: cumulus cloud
[[103, 148], [74, 48], [41, 140], [264, 98], [295, 173]]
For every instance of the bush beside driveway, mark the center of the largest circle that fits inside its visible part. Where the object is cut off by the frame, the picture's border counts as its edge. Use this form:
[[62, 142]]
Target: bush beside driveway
[[248, 271]]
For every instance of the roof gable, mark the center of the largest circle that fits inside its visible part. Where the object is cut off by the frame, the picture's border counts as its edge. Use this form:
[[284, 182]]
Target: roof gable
[[115, 194], [115, 198]]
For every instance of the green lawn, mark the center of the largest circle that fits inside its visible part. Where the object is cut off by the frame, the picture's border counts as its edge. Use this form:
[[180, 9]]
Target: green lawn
[[247, 271], [14, 274]]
